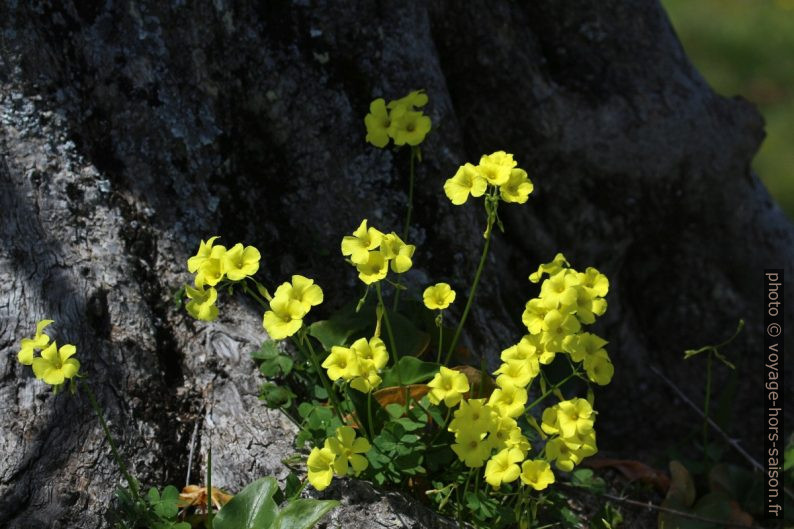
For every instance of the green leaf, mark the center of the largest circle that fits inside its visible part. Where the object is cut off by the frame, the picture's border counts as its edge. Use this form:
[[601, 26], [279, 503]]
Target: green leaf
[[275, 396], [338, 329], [409, 339], [302, 514], [409, 370], [165, 505], [252, 507], [269, 349]]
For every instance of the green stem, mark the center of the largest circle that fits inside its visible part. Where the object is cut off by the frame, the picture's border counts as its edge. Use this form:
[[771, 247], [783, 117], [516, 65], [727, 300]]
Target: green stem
[[550, 390], [440, 322], [369, 416], [113, 449], [322, 375], [473, 289], [408, 214], [388, 323], [441, 428], [256, 296]]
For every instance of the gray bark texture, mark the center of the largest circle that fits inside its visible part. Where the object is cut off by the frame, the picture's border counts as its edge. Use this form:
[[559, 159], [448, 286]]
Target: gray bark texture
[[130, 130]]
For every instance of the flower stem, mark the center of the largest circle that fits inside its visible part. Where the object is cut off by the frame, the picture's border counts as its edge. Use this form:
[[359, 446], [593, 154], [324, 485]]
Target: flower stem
[[209, 486], [440, 323], [550, 390], [321, 374], [369, 416], [388, 323], [408, 213], [706, 406], [113, 449], [473, 290]]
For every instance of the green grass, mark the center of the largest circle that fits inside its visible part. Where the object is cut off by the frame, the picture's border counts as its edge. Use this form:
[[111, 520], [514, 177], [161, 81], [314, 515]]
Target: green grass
[[746, 47]]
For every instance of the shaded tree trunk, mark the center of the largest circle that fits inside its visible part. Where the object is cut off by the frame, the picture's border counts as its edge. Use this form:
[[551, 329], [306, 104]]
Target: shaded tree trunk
[[131, 130]]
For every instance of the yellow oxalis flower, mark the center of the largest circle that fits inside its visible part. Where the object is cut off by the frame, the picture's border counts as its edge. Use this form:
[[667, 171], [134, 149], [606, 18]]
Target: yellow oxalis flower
[[560, 290], [358, 245], [202, 303], [534, 314], [599, 368], [503, 467], [537, 474], [516, 373], [596, 282], [473, 415], [556, 327], [583, 345], [204, 251], [448, 386], [438, 296], [517, 188], [28, 346], [303, 290], [550, 268], [397, 252], [574, 417], [408, 126], [56, 365], [378, 123], [373, 269], [417, 98], [372, 357], [467, 181], [508, 400], [348, 450], [321, 467], [284, 318], [210, 272], [470, 448], [496, 167], [341, 363], [565, 458], [239, 262]]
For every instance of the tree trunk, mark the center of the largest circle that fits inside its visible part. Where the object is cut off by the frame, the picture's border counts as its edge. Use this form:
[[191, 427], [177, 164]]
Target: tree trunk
[[130, 130]]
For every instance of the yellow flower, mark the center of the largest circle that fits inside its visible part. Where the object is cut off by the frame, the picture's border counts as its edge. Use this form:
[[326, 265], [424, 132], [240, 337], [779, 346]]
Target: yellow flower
[[210, 272], [549, 422], [566, 458], [599, 368], [377, 123], [238, 262], [496, 167], [408, 126], [583, 345], [347, 450], [417, 98], [551, 268], [505, 433], [303, 290], [503, 467], [341, 363], [559, 290], [438, 296], [358, 245], [574, 417], [537, 474], [373, 269], [202, 303], [471, 449], [204, 251], [321, 467], [467, 181], [284, 318], [517, 188], [372, 357], [515, 373], [397, 252], [28, 346], [534, 313], [596, 282], [56, 365], [449, 386], [556, 326], [508, 400], [473, 415]]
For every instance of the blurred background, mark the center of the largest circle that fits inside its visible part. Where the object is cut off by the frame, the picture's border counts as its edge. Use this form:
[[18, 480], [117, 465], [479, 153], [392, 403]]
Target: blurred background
[[746, 47]]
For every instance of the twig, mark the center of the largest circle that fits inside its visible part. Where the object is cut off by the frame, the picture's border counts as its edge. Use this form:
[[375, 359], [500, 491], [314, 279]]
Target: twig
[[732, 442], [192, 448], [653, 506]]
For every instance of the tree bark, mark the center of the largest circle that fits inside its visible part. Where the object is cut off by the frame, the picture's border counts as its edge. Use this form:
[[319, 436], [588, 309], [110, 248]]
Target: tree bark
[[131, 130]]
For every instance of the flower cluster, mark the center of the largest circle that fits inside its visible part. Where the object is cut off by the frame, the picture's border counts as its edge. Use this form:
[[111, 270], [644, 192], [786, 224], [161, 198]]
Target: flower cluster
[[373, 253], [497, 171], [54, 365], [211, 265], [400, 119], [568, 300], [359, 364], [290, 304], [339, 454], [570, 423]]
